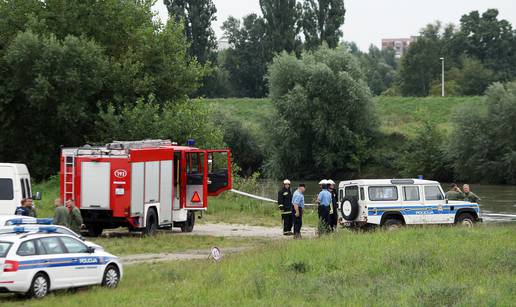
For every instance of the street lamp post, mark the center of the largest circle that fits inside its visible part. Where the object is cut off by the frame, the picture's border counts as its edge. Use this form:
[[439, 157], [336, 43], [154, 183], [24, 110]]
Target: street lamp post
[[442, 77]]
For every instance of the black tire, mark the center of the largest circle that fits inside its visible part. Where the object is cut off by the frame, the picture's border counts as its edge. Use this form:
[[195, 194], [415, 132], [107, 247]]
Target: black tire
[[94, 230], [188, 225], [39, 286], [349, 208], [393, 224], [152, 222], [465, 220], [111, 277]]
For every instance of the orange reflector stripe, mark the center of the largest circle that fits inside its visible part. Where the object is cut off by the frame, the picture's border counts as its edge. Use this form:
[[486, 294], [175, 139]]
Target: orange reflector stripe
[[196, 198]]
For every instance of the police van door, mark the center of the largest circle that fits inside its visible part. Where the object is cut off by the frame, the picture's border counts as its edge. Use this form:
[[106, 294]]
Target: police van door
[[434, 204], [219, 171], [194, 174]]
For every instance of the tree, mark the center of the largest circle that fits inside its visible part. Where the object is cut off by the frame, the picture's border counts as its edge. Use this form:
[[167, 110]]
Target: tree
[[324, 114], [282, 25], [321, 22], [472, 77], [483, 145], [197, 16], [379, 67], [246, 60]]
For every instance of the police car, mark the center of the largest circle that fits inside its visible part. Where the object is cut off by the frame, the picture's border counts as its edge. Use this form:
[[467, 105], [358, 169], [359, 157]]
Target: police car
[[8, 220], [396, 202], [35, 263]]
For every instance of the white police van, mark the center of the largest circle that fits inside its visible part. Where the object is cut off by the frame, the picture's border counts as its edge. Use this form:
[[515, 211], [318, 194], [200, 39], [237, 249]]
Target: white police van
[[35, 263], [396, 202], [14, 186]]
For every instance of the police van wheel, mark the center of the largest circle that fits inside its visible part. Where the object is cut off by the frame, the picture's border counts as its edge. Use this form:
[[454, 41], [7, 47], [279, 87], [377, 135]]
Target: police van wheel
[[94, 230], [111, 277], [465, 220], [188, 225], [393, 224], [39, 286], [152, 222]]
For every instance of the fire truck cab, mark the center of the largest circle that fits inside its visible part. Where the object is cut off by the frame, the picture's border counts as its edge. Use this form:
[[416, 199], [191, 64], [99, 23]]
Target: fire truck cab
[[142, 185]]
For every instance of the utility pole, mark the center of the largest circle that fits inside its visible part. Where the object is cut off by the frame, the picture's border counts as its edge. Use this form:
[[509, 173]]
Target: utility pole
[[442, 77]]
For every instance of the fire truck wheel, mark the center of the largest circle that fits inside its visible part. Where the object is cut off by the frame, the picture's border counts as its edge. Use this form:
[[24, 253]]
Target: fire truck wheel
[[188, 225], [152, 222], [94, 230]]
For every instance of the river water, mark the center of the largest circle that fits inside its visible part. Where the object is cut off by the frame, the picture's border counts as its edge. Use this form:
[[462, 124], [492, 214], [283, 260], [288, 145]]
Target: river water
[[498, 202]]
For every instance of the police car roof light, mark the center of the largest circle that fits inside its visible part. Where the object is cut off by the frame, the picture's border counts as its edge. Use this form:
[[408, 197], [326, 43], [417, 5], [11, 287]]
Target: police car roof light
[[45, 221], [48, 229], [19, 229]]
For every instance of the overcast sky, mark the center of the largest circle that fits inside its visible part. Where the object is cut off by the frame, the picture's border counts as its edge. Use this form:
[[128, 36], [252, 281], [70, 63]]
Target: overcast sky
[[368, 21]]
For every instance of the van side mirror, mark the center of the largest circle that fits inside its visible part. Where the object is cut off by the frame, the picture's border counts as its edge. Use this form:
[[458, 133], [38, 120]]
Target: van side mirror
[[37, 196]]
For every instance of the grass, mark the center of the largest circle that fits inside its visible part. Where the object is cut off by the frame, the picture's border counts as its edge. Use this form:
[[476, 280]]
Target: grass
[[430, 266]]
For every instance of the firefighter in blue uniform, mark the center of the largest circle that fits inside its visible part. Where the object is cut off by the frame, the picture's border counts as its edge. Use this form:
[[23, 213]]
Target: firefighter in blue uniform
[[285, 205]]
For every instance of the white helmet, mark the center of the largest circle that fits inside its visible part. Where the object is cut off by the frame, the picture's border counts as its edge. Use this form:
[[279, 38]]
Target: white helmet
[[331, 182], [324, 181], [286, 181]]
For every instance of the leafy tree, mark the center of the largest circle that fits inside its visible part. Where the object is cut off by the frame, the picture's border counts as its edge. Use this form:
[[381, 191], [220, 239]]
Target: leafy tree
[[321, 22], [379, 67], [197, 16], [324, 114], [282, 25], [472, 77], [246, 60], [483, 145]]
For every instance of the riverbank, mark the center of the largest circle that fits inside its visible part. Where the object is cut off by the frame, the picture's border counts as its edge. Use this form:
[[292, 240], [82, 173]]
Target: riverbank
[[426, 266]]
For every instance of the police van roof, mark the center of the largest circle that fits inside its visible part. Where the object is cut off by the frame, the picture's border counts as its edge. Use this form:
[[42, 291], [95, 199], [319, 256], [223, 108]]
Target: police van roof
[[388, 182]]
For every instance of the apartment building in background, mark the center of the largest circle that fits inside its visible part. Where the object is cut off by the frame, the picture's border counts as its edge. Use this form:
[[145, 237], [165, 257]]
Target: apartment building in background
[[400, 45]]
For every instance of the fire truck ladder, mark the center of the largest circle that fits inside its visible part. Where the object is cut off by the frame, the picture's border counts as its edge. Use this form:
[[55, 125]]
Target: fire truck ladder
[[69, 176]]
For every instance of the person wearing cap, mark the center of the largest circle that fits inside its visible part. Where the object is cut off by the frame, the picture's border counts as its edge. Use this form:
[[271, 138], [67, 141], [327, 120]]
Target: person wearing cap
[[285, 205], [298, 204], [334, 205], [325, 202]]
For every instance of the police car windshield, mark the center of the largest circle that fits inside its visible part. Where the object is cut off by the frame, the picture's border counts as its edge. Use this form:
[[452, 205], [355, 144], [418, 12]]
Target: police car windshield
[[4, 248]]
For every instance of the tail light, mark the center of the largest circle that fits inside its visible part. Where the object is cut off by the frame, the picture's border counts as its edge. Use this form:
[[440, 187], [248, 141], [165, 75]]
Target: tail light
[[11, 266]]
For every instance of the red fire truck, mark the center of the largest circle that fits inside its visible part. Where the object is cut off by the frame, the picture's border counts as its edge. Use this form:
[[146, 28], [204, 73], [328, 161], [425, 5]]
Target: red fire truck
[[142, 185]]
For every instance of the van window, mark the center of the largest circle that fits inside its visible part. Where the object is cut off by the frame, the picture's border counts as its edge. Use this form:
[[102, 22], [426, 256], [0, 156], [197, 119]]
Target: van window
[[411, 193], [383, 193], [27, 187], [6, 189], [23, 190], [433, 193], [351, 192], [362, 194]]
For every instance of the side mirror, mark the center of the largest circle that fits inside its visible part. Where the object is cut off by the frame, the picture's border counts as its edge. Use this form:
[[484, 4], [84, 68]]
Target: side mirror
[[37, 196], [91, 249]]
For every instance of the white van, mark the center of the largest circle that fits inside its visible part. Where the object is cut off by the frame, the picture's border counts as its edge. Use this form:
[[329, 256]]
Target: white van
[[14, 186], [396, 202]]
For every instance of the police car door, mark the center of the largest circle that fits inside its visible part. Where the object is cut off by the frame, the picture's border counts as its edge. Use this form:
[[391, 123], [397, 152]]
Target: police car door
[[434, 204], [84, 267]]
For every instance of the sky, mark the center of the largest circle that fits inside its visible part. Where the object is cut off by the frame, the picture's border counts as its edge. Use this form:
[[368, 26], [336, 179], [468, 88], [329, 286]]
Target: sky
[[368, 21]]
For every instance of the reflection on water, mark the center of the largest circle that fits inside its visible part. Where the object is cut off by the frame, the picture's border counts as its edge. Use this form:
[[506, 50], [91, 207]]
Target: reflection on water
[[498, 202]]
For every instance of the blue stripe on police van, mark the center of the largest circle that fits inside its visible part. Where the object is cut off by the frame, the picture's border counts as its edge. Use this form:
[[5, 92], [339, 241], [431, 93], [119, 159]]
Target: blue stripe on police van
[[61, 262], [421, 209]]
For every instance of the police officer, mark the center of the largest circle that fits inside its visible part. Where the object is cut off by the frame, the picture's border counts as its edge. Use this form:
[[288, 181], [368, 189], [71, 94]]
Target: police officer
[[26, 208], [325, 202], [334, 205], [285, 205], [298, 204], [470, 196], [454, 193]]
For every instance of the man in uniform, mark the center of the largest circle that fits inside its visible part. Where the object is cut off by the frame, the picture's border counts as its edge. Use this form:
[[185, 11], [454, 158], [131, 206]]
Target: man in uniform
[[325, 202], [454, 193], [285, 205], [75, 219], [334, 205], [61, 216], [470, 196], [26, 208], [298, 203]]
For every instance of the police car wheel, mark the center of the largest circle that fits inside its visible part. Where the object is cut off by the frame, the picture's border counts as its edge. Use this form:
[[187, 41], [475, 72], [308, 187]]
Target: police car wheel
[[349, 208], [393, 224], [465, 220], [39, 286], [111, 277]]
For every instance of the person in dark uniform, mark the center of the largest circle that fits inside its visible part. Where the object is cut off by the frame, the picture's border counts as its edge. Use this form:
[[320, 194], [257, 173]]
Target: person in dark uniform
[[285, 205], [334, 205], [454, 193], [470, 196], [26, 208]]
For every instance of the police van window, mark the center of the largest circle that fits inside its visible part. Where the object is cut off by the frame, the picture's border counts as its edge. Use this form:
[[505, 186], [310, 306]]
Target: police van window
[[362, 194], [411, 193], [27, 187], [6, 189], [73, 245], [351, 192], [27, 248], [24, 194], [52, 245], [383, 193], [433, 193], [341, 195]]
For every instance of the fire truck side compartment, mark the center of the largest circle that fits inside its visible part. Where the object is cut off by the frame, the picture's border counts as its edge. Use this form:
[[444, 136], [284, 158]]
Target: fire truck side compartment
[[95, 185], [137, 188], [166, 191]]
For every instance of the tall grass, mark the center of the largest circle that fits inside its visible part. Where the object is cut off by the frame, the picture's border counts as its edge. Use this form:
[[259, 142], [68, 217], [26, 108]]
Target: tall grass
[[431, 266]]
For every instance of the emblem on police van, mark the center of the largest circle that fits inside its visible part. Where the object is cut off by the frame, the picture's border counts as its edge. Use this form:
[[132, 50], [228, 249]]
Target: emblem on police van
[[439, 207], [120, 173]]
